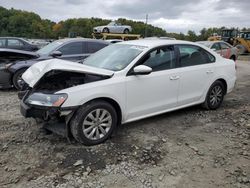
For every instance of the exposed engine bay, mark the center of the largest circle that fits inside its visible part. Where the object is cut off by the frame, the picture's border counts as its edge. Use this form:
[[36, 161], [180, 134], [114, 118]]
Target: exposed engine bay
[[57, 80]]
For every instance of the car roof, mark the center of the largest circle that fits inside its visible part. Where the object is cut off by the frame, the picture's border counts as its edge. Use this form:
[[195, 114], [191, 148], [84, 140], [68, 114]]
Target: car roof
[[14, 38], [156, 42], [82, 39]]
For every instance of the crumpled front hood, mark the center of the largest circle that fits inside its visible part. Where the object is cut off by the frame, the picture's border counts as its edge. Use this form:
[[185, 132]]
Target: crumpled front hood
[[32, 75]]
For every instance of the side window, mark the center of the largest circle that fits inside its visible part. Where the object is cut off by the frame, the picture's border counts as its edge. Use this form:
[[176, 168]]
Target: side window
[[161, 59], [71, 48], [94, 46], [224, 46], [15, 43], [2, 42], [194, 55], [216, 46]]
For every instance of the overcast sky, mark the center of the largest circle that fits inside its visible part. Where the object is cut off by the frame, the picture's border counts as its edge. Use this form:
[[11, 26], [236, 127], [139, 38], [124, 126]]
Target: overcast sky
[[171, 15]]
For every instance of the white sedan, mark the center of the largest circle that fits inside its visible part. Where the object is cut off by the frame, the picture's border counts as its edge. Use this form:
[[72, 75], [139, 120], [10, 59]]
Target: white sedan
[[113, 27], [122, 83]]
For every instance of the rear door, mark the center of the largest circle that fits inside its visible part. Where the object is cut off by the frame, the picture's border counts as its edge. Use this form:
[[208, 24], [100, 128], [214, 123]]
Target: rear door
[[196, 71], [15, 44], [225, 50], [93, 47]]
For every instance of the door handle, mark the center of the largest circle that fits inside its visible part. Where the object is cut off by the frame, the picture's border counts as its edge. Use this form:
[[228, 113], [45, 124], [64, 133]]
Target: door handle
[[174, 77], [210, 72]]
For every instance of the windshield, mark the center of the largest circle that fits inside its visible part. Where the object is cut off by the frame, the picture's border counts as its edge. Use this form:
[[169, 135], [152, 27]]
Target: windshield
[[49, 48], [111, 23], [115, 57]]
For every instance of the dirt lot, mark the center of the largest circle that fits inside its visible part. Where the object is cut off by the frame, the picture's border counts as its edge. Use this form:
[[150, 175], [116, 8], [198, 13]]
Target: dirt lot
[[186, 148]]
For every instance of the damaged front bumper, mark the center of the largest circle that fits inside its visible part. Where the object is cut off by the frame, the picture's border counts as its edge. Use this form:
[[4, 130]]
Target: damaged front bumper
[[55, 119]]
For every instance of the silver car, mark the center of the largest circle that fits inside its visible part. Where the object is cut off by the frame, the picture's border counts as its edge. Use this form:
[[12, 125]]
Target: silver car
[[223, 48], [113, 27]]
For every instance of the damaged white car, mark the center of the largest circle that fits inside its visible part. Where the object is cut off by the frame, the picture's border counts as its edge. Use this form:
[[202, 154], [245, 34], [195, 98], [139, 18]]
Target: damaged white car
[[122, 83]]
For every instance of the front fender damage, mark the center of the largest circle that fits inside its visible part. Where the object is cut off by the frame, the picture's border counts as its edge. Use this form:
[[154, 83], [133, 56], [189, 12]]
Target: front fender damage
[[55, 119]]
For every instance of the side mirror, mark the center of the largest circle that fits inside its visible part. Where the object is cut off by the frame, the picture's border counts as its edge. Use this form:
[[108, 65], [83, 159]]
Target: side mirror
[[142, 70], [214, 49], [56, 54]]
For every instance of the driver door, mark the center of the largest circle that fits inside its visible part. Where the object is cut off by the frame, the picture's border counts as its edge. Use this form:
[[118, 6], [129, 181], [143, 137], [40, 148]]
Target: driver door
[[157, 91]]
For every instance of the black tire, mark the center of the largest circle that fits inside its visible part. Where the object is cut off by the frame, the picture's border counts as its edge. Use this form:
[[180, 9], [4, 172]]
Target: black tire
[[126, 31], [82, 115], [16, 79], [209, 104], [105, 30]]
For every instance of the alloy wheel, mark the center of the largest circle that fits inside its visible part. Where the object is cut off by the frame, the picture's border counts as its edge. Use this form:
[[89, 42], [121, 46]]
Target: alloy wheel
[[97, 124], [216, 95]]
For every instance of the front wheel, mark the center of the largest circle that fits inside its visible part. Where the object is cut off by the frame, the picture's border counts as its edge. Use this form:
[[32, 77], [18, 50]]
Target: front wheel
[[214, 96], [17, 79], [94, 122], [105, 30]]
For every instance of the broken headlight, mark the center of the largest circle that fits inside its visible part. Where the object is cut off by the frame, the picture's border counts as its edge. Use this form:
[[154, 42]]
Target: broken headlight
[[48, 100]]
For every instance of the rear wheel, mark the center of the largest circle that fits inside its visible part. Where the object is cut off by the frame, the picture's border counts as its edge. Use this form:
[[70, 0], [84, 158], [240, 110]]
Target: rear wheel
[[94, 122], [17, 79], [126, 31], [214, 96]]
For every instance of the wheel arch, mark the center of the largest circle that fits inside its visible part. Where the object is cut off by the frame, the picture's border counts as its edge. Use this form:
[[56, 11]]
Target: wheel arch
[[111, 101], [223, 81], [17, 70], [106, 28]]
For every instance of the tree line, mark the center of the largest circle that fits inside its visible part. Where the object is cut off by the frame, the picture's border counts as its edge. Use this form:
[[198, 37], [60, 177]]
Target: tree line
[[25, 24]]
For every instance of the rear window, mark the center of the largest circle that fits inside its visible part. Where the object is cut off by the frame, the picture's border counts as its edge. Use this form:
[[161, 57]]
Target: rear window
[[194, 55], [72, 48]]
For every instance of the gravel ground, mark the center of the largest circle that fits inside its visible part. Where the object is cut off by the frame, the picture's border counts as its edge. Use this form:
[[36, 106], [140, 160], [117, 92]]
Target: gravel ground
[[186, 148]]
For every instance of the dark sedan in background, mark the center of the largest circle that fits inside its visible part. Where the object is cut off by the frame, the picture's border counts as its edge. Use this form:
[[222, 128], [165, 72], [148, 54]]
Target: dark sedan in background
[[17, 43], [13, 63]]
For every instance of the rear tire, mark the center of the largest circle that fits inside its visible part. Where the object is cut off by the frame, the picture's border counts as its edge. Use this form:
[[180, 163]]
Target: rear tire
[[126, 31], [17, 79], [215, 96], [94, 122]]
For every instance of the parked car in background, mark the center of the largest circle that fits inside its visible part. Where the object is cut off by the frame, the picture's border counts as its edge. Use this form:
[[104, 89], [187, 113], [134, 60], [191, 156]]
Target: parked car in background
[[7, 58], [40, 43], [125, 82], [113, 27], [223, 48], [17, 43], [163, 38], [75, 50]]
